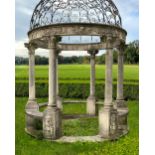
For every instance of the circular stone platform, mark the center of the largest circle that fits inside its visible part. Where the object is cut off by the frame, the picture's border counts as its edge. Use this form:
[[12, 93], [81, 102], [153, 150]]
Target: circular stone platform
[[73, 139]]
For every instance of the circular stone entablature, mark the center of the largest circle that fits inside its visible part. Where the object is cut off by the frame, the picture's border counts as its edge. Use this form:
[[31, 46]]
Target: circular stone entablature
[[40, 35]]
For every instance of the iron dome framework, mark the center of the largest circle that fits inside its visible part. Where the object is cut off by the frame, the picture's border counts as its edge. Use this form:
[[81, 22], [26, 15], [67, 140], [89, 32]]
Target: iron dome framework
[[50, 22], [75, 11]]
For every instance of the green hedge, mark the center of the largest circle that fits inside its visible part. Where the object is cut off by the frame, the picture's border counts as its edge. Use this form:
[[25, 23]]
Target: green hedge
[[73, 79], [76, 90]]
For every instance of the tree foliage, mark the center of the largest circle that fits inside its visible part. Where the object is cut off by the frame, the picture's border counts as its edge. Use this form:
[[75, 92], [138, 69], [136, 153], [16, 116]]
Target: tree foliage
[[132, 53]]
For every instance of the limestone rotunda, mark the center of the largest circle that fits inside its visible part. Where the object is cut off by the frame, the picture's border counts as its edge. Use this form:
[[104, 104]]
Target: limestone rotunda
[[99, 22]]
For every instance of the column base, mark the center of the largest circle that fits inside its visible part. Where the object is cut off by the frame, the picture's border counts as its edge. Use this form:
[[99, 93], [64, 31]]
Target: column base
[[32, 105], [52, 123], [122, 120], [122, 117], [30, 108], [91, 105], [59, 103], [120, 103], [108, 123]]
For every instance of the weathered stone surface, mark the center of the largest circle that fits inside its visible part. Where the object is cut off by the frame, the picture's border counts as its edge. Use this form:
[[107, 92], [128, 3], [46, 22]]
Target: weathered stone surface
[[31, 48], [77, 29], [108, 115], [35, 133], [52, 73], [32, 105], [91, 101], [108, 77], [108, 123], [91, 105], [120, 75], [52, 123], [72, 139], [112, 121], [122, 118], [33, 120], [81, 47], [122, 109], [120, 104], [59, 103]]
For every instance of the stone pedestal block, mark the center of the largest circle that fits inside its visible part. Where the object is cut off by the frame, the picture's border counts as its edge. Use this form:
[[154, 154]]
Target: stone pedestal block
[[33, 121], [122, 110], [91, 105], [29, 122], [108, 123], [59, 102], [122, 120], [32, 105], [52, 123]]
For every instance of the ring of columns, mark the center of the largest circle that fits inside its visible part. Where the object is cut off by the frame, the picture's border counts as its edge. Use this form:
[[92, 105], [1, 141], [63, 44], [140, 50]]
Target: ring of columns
[[112, 116]]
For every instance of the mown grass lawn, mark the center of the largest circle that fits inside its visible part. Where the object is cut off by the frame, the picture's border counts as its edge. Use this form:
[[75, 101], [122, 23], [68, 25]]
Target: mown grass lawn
[[127, 145], [78, 72]]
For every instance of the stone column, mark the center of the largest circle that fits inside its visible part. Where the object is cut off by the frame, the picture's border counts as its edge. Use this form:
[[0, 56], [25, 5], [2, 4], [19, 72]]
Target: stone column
[[91, 101], [107, 114], [108, 79], [32, 104], [59, 99], [120, 104], [120, 76], [52, 115], [120, 98]]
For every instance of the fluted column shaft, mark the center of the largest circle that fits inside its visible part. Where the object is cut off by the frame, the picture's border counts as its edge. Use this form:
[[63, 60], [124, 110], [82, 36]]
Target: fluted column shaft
[[32, 89], [57, 79], [57, 71], [120, 75], [52, 74], [32, 74], [108, 78], [92, 75], [91, 101]]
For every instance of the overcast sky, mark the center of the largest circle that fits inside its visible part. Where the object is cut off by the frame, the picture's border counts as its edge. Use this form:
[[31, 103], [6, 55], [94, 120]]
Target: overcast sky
[[129, 11]]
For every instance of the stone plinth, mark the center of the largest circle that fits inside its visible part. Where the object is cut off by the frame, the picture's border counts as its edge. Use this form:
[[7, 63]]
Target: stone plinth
[[122, 118], [123, 111], [34, 122], [91, 105], [108, 123], [52, 123]]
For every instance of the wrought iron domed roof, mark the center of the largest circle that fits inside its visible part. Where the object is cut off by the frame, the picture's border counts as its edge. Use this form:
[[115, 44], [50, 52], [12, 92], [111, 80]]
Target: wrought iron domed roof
[[49, 12]]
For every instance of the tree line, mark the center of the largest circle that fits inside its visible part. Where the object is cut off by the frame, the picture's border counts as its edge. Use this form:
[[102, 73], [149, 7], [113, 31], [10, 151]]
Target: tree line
[[131, 56]]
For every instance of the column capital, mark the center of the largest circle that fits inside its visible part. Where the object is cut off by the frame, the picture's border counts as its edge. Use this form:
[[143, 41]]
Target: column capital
[[31, 47], [120, 52], [58, 51], [121, 47], [52, 41], [109, 42], [92, 52]]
